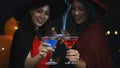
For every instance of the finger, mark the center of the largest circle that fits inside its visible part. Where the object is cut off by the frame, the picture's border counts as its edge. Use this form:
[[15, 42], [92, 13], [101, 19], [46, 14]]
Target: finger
[[46, 44], [54, 33], [73, 52], [43, 54], [54, 47], [44, 50], [50, 49], [43, 45], [65, 32], [73, 58]]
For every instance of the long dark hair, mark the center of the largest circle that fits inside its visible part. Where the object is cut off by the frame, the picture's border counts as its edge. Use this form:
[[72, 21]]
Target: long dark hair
[[92, 16], [27, 23]]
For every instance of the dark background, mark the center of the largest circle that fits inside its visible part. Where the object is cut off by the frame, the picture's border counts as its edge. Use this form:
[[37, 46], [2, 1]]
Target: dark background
[[110, 22]]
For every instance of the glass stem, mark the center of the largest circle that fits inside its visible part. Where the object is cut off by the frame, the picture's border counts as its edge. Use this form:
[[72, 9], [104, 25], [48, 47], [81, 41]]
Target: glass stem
[[51, 59]]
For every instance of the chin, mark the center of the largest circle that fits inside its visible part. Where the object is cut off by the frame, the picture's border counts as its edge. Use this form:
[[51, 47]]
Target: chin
[[79, 22], [39, 25]]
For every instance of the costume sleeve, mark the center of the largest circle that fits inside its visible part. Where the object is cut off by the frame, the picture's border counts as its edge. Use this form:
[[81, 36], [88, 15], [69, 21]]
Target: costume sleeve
[[19, 49], [94, 49]]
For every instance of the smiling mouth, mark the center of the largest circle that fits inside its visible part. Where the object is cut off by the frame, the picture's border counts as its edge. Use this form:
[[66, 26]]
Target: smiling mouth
[[77, 18], [41, 21]]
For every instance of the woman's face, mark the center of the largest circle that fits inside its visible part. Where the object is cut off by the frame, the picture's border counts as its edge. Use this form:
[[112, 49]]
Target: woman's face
[[40, 15], [78, 12]]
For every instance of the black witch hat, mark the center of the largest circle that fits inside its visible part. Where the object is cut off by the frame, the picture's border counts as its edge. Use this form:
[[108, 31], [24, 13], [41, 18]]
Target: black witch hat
[[98, 4], [57, 8]]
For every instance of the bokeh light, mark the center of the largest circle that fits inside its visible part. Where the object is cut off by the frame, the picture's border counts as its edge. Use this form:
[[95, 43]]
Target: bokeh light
[[108, 32], [116, 32]]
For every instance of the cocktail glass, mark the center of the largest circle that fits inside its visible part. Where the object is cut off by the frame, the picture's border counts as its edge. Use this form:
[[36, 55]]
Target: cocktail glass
[[52, 41], [69, 43]]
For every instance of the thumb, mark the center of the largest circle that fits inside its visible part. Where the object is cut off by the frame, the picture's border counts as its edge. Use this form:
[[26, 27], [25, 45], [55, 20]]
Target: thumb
[[65, 32]]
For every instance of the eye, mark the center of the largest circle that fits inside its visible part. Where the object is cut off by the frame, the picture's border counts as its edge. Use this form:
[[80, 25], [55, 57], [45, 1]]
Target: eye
[[39, 10], [81, 9], [73, 8], [47, 13]]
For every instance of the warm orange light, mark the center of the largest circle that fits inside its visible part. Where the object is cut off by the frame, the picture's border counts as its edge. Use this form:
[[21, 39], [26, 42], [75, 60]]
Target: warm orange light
[[10, 26], [15, 27]]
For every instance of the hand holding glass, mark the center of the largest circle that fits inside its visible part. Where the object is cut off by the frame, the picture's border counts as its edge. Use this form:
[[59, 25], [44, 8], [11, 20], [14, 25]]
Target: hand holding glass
[[69, 43], [53, 41]]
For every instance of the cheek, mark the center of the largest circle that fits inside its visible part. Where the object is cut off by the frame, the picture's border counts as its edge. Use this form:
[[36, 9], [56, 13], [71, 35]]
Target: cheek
[[33, 16], [47, 17], [84, 14], [73, 12]]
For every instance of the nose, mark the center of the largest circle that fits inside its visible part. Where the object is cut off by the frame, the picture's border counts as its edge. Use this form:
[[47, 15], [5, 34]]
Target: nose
[[76, 12]]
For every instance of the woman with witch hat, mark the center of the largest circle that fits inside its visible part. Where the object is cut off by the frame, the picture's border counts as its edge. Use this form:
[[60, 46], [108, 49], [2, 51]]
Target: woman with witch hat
[[92, 47], [91, 50], [27, 50]]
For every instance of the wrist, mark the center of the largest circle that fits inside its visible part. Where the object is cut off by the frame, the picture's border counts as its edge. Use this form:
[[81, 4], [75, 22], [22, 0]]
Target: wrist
[[80, 63]]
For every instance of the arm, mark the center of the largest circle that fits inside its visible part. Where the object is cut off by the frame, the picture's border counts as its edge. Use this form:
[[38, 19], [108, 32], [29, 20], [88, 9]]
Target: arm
[[20, 46], [80, 64], [31, 62]]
